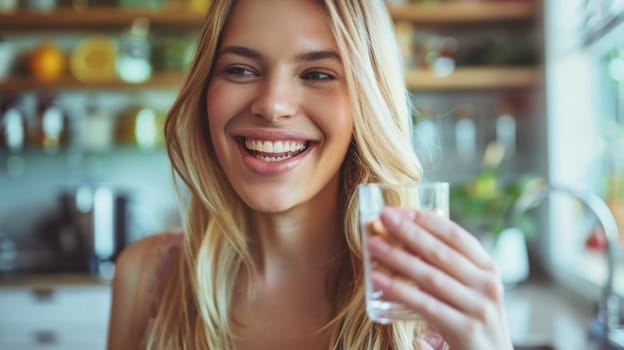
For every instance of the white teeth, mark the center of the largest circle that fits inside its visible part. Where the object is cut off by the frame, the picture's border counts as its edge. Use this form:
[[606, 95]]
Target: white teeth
[[272, 159], [274, 147]]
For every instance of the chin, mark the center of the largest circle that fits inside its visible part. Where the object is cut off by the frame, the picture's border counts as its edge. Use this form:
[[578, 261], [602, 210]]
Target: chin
[[273, 206]]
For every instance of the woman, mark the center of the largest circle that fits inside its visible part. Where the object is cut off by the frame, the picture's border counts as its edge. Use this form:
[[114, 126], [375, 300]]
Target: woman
[[290, 104]]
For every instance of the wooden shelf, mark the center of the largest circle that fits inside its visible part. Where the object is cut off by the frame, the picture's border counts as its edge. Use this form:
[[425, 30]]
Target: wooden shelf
[[443, 13], [481, 78], [464, 12], [158, 81], [97, 18]]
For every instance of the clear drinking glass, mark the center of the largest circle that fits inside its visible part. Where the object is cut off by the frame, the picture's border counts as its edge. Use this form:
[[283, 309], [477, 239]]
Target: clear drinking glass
[[373, 198]]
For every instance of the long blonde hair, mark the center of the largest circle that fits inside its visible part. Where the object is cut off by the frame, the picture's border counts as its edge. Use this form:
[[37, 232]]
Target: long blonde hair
[[194, 312]]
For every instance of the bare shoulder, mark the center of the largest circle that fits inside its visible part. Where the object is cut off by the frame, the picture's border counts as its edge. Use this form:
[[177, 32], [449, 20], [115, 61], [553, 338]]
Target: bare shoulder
[[144, 251], [135, 270], [140, 259]]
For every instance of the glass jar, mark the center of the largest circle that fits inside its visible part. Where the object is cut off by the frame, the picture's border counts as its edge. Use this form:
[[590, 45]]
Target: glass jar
[[133, 60], [140, 127], [96, 129]]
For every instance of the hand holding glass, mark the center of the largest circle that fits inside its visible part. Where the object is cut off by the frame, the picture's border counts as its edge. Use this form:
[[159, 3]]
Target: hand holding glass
[[373, 198]]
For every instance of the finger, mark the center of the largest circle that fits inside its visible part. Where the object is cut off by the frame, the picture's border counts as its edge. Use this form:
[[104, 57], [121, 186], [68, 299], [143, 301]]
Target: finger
[[428, 278], [451, 322], [440, 254], [455, 236], [444, 230], [430, 248]]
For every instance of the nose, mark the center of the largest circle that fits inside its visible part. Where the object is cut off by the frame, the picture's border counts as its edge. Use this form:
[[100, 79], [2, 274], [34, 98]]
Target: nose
[[276, 99]]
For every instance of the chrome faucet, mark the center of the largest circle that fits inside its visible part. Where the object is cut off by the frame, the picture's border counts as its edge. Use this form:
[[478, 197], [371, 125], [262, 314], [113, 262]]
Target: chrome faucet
[[604, 331]]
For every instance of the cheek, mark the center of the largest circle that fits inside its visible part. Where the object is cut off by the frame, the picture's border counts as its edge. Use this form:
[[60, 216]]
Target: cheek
[[218, 111], [337, 122], [216, 121]]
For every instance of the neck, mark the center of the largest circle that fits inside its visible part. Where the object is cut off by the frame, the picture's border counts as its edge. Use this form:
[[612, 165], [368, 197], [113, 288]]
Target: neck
[[306, 238]]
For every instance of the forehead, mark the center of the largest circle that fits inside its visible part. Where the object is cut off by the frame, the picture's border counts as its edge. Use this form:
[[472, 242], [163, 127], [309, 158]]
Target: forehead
[[280, 25]]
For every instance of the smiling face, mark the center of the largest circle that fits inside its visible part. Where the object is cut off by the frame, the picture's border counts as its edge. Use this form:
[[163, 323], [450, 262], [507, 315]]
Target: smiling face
[[278, 107]]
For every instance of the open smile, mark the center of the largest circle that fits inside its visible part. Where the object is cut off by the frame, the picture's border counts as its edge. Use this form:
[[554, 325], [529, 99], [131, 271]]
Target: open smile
[[274, 151], [271, 151], [271, 155]]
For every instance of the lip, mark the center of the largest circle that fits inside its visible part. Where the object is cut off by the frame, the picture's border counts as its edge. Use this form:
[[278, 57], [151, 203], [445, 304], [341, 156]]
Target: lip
[[260, 167], [273, 135]]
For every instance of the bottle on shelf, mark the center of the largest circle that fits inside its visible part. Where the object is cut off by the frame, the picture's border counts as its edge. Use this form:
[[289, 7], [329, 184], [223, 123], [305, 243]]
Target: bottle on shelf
[[13, 125], [8, 56], [465, 132], [133, 61], [426, 140], [140, 127], [506, 130], [52, 125], [96, 128]]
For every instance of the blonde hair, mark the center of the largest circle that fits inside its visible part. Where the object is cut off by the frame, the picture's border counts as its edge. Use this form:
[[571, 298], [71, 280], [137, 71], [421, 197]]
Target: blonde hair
[[194, 312]]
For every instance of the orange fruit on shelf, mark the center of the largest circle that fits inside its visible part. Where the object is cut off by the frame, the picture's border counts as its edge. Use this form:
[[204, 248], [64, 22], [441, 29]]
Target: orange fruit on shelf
[[46, 62]]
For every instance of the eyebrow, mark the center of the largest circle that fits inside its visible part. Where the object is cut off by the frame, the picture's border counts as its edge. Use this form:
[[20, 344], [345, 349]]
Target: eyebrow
[[317, 55], [301, 57], [240, 51]]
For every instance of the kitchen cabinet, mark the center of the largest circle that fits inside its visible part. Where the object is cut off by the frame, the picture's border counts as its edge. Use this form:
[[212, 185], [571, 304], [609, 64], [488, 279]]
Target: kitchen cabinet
[[54, 317]]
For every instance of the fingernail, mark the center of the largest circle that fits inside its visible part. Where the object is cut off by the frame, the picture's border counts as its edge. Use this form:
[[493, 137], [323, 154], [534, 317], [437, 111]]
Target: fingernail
[[412, 215], [390, 217]]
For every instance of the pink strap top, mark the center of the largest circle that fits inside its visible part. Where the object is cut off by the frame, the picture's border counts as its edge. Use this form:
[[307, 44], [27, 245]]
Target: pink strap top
[[436, 342]]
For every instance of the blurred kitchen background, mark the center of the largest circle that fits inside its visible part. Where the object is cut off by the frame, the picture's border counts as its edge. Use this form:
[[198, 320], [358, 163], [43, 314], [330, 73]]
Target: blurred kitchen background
[[509, 94]]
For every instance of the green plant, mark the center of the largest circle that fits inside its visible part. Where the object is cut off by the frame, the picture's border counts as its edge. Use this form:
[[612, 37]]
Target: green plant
[[483, 205]]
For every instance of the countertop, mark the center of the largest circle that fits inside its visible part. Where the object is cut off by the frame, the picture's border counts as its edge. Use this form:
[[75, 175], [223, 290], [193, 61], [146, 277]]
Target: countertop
[[538, 312], [544, 312]]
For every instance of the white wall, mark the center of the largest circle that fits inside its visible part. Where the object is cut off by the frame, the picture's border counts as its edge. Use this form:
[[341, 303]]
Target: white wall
[[573, 95]]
